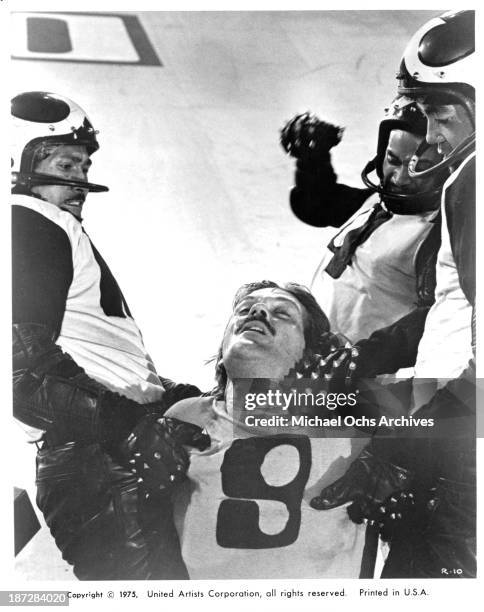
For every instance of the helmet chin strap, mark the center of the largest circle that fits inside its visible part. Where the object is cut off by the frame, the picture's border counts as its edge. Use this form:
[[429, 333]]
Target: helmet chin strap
[[401, 203], [459, 152], [34, 179]]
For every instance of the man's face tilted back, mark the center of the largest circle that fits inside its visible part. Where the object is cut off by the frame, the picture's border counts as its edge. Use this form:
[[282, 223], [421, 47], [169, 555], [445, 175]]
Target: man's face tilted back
[[265, 335], [401, 147], [68, 162]]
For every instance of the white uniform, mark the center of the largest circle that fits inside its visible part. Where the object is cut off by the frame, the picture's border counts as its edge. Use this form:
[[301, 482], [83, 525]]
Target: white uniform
[[446, 345], [244, 512], [445, 349], [379, 285], [96, 328]]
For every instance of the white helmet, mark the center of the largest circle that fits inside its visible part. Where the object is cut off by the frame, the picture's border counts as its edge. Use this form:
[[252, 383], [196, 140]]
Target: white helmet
[[40, 117], [439, 64]]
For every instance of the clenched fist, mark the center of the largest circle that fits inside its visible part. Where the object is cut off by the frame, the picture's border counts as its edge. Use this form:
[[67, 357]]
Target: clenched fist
[[308, 138]]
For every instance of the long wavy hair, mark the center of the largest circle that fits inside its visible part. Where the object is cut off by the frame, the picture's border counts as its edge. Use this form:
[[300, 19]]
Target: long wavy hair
[[317, 335]]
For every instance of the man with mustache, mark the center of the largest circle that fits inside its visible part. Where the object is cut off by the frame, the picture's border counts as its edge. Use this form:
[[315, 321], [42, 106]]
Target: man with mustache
[[380, 264], [244, 510], [82, 376]]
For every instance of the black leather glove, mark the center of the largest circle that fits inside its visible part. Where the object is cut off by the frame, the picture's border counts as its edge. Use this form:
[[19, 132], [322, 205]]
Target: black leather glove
[[395, 517], [157, 454], [365, 359], [309, 139], [317, 198], [314, 365], [340, 368], [368, 483]]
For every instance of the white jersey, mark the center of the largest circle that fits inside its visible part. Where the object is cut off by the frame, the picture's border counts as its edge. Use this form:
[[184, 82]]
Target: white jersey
[[244, 512], [446, 345], [108, 345], [379, 285]]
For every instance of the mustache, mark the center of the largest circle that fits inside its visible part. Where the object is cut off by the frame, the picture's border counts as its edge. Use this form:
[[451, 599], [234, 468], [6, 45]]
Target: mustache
[[259, 318]]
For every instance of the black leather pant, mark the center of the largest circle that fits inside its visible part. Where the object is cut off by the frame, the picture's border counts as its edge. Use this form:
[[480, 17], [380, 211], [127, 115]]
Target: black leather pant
[[101, 521], [440, 539], [443, 542]]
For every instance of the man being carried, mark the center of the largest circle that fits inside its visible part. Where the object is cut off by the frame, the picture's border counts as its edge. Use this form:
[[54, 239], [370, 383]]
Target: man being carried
[[244, 511]]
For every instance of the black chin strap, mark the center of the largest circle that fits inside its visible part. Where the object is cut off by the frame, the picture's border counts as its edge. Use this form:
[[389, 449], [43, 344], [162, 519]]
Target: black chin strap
[[401, 203], [457, 154], [27, 181]]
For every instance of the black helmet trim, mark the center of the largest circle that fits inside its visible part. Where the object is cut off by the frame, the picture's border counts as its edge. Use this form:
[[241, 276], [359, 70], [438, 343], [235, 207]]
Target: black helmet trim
[[39, 107], [449, 42]]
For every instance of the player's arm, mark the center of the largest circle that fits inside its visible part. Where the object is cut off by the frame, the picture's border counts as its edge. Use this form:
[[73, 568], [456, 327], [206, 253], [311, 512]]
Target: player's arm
[[51, 392], [317, 198], [399, 458], [393, 347], [384, 352], [175, 392], [402, 482], [42, 269]]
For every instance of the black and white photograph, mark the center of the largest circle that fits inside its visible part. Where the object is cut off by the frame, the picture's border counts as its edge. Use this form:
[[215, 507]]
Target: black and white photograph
[[243, 286]]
